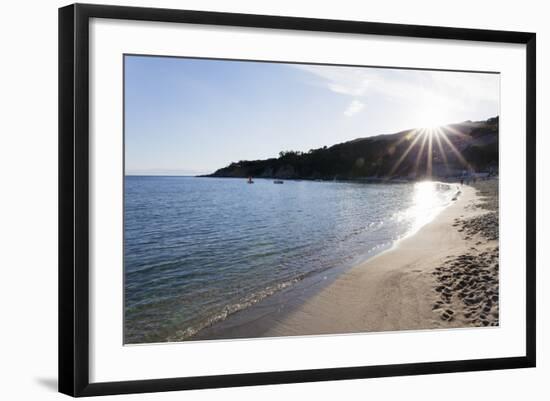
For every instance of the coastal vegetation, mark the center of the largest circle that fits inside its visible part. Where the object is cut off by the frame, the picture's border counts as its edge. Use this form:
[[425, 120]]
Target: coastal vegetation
[[444, 151]]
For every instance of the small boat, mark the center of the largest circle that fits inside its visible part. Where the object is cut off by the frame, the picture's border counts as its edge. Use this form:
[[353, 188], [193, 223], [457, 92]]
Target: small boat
[[249, 181], [278, 182]]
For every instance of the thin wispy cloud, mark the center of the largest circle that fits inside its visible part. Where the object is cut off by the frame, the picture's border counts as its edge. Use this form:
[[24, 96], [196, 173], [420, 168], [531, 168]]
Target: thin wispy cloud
[[417, 92], [354, 107]]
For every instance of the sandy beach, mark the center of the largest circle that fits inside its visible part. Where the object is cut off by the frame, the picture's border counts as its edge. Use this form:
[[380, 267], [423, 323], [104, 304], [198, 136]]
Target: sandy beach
[[443, 276]]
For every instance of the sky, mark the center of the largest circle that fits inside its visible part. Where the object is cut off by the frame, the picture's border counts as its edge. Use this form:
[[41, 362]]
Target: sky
[[188, 116]]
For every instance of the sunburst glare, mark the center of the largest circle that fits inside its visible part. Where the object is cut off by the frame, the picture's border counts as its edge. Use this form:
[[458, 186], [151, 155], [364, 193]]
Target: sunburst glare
[[427, 156]]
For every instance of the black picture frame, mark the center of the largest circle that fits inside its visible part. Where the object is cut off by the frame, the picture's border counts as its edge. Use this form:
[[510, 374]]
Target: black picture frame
[[74, 198]]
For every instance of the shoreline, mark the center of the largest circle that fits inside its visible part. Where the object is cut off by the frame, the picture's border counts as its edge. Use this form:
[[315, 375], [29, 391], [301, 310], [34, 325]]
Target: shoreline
[[362, 180], [409, 287], [442, 276]]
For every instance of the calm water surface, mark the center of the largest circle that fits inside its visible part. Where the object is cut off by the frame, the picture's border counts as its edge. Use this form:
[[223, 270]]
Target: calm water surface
[[200, 249]]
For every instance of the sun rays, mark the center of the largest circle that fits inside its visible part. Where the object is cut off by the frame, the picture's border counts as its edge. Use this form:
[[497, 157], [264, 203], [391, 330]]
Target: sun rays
[[422, 148], [416, 136], [442, 152], [419, 154]]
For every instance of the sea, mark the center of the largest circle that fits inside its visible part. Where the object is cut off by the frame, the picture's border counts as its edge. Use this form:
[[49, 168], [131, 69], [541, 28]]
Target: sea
[[200, 250]]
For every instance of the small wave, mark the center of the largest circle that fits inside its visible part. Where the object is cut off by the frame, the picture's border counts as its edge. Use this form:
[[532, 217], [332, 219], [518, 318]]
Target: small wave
[[242, 304], [231, 309]]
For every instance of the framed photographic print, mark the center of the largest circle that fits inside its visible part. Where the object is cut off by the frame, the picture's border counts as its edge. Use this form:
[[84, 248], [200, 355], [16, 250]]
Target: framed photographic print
[[250, 199]]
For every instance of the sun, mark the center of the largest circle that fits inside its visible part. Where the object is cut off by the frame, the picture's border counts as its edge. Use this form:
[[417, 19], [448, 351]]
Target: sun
[[432, 123], [422, 144], [432, 118]]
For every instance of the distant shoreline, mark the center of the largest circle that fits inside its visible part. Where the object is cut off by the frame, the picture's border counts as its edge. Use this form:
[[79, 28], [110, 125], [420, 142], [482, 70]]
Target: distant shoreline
[[367, 180]]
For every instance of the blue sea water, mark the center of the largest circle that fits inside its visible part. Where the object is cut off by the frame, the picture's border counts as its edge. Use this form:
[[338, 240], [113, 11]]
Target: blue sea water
[[197, 250]]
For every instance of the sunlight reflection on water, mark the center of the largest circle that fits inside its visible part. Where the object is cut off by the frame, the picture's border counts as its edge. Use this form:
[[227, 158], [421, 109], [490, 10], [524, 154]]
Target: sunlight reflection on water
[[429, 199]]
